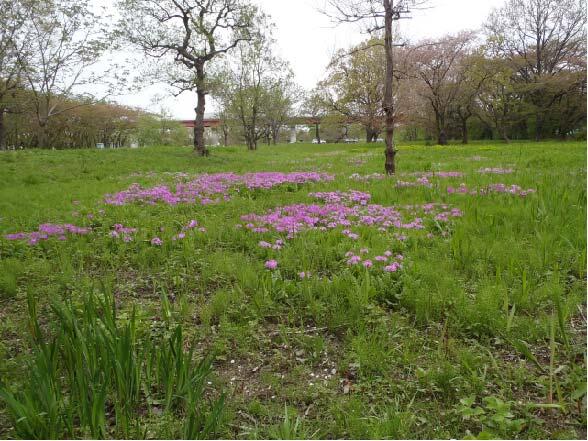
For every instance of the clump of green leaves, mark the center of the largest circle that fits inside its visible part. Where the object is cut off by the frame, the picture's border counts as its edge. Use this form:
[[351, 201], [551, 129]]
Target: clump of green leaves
[[97, 375]]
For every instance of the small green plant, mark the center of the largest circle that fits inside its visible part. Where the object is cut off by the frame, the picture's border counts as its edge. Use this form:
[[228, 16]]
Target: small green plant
[[290, 428], [94, 361], [495, 415]]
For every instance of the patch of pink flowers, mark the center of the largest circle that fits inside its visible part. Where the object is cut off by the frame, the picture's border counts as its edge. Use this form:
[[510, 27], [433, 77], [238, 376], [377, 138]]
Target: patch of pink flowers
[[496, 171], [122, 232], [343, 197], [492, 188], [439, 174], [292, 219], [207, 189], [420, 182], [156, 241], [271, 264], [277, 245], [190, 226], [46, 231], [424, 178], [367, 178], [386, 262]]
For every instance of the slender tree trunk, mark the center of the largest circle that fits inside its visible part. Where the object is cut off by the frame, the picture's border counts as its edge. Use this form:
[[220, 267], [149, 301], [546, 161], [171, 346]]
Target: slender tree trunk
[[504, 135], [441, 135], [43, 136], [369, 135], [2, 130], [464, 131], [317, 133], [199, 146], [275, 134], [390, 165], [538, 126], [464, 117]]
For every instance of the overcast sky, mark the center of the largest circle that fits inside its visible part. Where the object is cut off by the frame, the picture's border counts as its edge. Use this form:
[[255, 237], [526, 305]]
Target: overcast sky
[[307, 39]]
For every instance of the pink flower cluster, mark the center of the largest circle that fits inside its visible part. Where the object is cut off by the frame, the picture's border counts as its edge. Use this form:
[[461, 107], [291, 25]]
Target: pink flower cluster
[[343, 197], [387, 262], [439, 174], [187, 228], [120, 231], [46, 231], [271, 264], [207, 189], [503, 188], [492, 188], [420, 182], [496, 171], [366, 178], [292, 219], [277, 245]]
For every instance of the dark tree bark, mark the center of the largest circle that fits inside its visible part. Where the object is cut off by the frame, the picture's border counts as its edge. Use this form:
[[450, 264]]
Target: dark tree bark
[[317, 132], [464, 131], [225, 137], [190, 33], [390, 164], [2, 130], [442, 140], [371, 134], [199, 146], [372, 12]]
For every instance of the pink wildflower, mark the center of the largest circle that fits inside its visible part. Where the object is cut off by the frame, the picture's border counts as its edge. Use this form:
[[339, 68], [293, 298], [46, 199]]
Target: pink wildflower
[[156, 241], [392, 268], [354, 260], [271, 264]]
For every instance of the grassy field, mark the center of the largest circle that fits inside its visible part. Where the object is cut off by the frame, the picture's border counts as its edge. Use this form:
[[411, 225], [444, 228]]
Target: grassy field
[[458, 313]]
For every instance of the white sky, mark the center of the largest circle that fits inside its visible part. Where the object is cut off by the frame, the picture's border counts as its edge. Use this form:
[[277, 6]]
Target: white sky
[[307, 39]]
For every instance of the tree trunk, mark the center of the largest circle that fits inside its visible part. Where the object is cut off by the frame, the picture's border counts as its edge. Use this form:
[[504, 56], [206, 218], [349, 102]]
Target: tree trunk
[[441, 135], [370, 135], [225, 137], [538, 127], [464, 131], [390, 164], [43, 137], [317, 133], [2, 131], [442, 140], [505, 136], [199, 146]]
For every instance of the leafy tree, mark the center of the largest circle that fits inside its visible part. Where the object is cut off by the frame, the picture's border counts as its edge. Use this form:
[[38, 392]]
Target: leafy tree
[[189, 34], [440, 65], [314, 107], [259, 90], [65, 39], [379, 16], [355, 86], [12, 43], [544, 43], [500, 105]]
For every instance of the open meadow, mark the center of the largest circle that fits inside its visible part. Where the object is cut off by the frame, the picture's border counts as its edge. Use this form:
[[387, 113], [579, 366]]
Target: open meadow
[[294, 292]]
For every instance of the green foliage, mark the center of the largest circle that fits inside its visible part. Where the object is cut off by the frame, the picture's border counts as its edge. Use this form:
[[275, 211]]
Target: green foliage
[[493, 309], [95, 361]]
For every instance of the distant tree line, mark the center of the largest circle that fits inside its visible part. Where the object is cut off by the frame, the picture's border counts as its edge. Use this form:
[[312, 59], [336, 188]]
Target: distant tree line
[[87, 124], [522, 76]]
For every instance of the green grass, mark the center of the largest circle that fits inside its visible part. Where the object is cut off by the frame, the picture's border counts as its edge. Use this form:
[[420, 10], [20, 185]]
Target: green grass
[[481, 334]]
